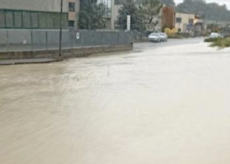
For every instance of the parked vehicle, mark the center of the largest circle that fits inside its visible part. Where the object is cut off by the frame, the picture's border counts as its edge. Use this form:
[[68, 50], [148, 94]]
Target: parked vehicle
[[154, 37], [215, 35], [164, 37]]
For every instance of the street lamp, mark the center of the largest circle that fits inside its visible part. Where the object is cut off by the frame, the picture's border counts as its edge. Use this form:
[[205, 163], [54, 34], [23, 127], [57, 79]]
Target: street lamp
[[60, 35]]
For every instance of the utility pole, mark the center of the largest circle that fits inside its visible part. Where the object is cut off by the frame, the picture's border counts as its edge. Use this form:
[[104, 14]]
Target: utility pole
[[128, 22], [60, 35]]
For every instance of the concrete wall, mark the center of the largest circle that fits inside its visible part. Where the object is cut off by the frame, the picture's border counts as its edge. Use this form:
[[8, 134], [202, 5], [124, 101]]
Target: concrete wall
[[27, 44], [73, 16], [21, 40], [67, 53], [184, 21]]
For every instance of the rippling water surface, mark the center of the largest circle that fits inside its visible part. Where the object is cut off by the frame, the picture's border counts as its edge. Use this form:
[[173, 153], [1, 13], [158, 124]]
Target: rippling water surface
[[160, 104]]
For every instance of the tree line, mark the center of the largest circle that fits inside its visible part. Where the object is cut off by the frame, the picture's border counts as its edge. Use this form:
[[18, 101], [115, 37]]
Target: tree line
[[208, 11], [92, 13], [141, 15]]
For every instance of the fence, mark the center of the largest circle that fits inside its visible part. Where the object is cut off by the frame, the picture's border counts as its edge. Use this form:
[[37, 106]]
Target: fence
[[140, 36], [13, 40]]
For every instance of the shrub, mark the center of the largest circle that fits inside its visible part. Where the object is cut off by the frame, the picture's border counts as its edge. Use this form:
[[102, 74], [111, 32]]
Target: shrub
[[212, 39], [221, 43], [171, 32]]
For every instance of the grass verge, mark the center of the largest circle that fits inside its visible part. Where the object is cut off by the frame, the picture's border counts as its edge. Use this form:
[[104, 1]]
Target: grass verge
[[221, 43], [212, 39]]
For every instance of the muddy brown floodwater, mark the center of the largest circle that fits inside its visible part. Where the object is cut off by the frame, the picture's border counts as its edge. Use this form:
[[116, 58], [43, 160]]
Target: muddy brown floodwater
[[163, 103]]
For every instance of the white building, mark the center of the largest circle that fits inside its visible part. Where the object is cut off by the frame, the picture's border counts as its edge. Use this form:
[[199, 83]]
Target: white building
[[184, 21]]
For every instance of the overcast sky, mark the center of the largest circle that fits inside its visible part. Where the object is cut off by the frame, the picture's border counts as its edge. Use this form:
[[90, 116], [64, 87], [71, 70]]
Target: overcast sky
[[227, 2]]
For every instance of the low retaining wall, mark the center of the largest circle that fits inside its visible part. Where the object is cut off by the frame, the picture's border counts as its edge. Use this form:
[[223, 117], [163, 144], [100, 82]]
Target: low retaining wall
[[66, 53]]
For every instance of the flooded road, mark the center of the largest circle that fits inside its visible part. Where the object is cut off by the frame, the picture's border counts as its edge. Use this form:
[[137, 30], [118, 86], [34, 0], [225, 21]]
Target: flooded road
[[162, 103]]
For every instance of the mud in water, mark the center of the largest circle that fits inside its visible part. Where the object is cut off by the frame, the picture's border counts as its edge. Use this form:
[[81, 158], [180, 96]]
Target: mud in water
[[162, 103]]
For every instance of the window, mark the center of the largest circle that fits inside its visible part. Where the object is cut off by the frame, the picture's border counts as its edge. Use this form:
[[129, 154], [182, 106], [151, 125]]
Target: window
[[42, 20], [34, 20], [26, 19], [57, 22], [50, 20], [2, 19], [65, 21], [18, 19], [71, 23], [72, 6], [190, 21], [9, 19], [107, 13], [178, 20], [107, 6]]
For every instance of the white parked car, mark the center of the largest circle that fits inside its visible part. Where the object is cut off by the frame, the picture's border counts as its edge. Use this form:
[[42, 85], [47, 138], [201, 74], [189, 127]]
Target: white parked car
[[164, 37], [155, 37], [215, 35]]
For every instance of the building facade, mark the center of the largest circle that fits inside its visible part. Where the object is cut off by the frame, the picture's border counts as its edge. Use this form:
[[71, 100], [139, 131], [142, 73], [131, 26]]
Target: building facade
[[116, 6], [168, 17], [108, 12], [37, 14], [185, 22]]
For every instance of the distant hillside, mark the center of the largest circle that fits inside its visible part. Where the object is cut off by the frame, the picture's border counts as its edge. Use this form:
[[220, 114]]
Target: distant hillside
[[168, 2], [209, 11]]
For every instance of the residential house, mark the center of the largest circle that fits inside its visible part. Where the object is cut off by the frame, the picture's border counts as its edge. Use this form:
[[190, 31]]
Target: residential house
[[189, 22], [185, 21]]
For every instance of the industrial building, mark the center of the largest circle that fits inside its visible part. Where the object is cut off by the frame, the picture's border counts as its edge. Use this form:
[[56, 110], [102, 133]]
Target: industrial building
[[45, 14], [37, 14]]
